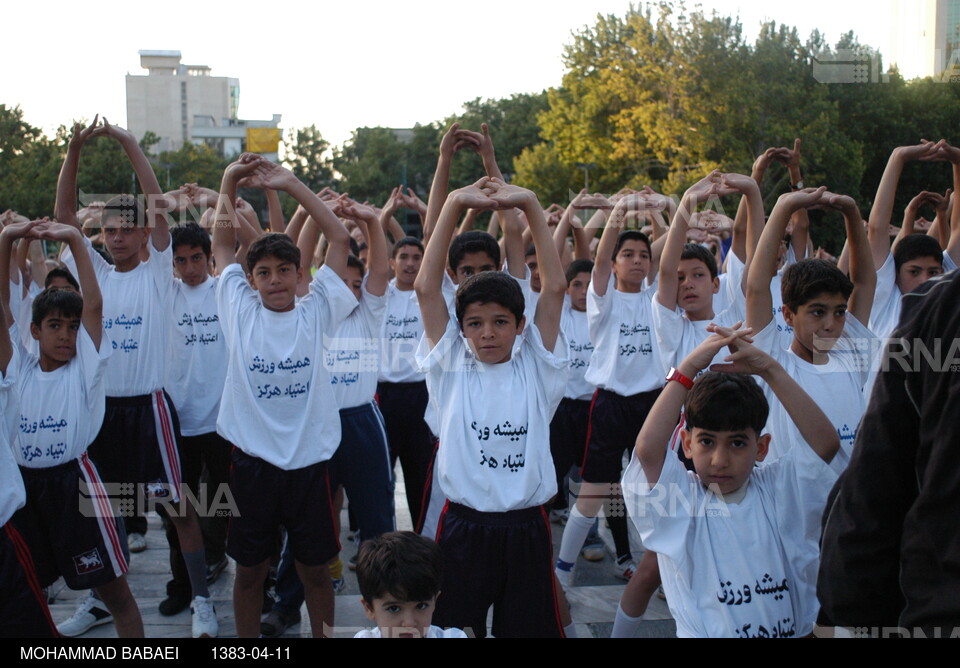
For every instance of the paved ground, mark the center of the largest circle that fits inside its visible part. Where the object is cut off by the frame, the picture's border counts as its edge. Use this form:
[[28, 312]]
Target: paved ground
[[593, 597]]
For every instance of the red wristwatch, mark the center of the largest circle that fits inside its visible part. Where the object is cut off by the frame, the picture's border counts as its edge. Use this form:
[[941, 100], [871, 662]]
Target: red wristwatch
[[673, 374]]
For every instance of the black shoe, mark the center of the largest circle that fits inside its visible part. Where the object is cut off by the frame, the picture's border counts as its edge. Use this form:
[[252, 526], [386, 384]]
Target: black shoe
[[275, 624], [214, 570], [175, 602]]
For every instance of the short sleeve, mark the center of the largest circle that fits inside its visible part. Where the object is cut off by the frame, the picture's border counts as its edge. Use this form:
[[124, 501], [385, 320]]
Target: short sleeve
[[436, 362], [668, 326], [552, 370], [769, 340], [663, 523], [331, 298], [93, 362], [599, 308], [160, 267], [234, 294], [100, 266], [887, 290], [374, 309], [948, 263]]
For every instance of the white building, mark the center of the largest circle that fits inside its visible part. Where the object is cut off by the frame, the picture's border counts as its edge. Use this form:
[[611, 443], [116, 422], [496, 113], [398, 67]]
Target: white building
[[926, 37], [184, 103]]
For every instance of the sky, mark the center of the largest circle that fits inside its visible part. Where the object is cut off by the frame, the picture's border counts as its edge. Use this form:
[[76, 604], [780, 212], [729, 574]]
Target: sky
[[339, 65]]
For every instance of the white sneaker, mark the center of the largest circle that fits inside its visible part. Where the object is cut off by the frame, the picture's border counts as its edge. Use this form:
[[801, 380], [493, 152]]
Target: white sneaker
[[91, 612], [564, 577], [204, 618], [137, 542]]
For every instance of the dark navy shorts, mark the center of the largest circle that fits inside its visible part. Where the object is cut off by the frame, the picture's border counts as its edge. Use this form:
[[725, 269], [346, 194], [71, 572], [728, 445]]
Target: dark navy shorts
[[499, 559], [267, 498], [615, 421]]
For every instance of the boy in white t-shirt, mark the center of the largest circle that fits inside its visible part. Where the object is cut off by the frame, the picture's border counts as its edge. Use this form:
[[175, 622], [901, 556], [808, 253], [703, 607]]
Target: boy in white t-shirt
[[278, 407], [399, 574], [196, 373], [736, 543], [61, 408], [496, 385], [625, 367], [139, 439], [916, 258], [831, 351]]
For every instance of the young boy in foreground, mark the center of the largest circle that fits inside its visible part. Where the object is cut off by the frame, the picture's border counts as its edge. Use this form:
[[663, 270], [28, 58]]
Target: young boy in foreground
[[278, 408], [737, 544], [495, 399], [399, 575]]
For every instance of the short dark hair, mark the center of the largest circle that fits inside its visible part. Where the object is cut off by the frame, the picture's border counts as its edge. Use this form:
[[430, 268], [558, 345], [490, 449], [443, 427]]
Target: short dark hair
[[356, 263], [61, 272], [697, 252], [125, 207], [578, 267], [472, 241], [354, 246], [276, 244], [190, 234], [726, 402], [490, 287], [406, 241], [531, 250], [67, 303], [399, 564], [913, 246], [630, 235], [804, 280]]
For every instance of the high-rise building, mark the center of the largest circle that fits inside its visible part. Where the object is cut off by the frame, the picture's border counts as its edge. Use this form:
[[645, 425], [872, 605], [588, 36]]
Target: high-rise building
[[926, 38], [184, 103]]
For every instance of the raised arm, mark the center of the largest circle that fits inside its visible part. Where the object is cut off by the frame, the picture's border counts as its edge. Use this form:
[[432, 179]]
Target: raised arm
[[615, 218], [952, 153], [378, 268], [92, 315], [910, 215], [764, 264], [879, 228], [156, 203], [451, 142], [553, 284], [226, 220], [862, 272], [267, 174], [20, 230], [275, 211], [429, 282], [65, 209]]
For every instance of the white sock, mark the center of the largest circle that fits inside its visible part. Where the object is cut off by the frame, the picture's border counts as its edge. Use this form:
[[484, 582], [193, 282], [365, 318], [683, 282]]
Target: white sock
[[574, 535], [625, 626], [570, 630]]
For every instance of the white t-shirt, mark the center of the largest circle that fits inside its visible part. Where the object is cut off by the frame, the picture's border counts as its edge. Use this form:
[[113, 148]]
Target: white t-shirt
[[731, 284], [677, 335], [198, 357], [12, 494], [352, 357], [836, 387], [626, 358], [61, 411], [494, 420], [401, 334], [885, 313], [576, 332], [278, 403], [24, 317], [136, 318], [432, 632], [948, 263], [745, 569]]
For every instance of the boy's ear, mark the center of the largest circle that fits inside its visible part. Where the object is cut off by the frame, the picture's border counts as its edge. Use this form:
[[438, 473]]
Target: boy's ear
[[685, 441], [452, 274], [299, 273], [250, 281], [367, 608], [763, 447], [716, 284], [788, 315], [34, 331], [521, 324]]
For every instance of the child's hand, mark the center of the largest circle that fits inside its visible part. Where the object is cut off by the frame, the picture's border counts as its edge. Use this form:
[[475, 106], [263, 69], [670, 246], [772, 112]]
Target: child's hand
[[349, 208], [925, 150], [731, 183], [704, 189], [82, 134], [710, 222], [455, 140], [789, 157], [701, 356], [476, 196], [801, 199], [268, 174], [508, 196], [242, 167], [57, 232], [743, 357], [410, 200], [120, 134]]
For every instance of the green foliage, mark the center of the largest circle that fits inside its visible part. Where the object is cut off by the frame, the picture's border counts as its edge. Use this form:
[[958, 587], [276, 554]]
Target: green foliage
[[306, 155]]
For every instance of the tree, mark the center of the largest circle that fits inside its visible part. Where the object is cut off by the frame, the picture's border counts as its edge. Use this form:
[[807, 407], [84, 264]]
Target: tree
[[306, 155]]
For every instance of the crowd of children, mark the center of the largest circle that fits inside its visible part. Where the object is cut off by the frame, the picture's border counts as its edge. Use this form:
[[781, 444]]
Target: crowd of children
[[703, 376]]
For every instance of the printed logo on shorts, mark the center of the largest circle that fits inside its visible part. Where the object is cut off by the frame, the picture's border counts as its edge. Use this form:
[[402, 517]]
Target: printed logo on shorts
[[88, 562], [157, 490]]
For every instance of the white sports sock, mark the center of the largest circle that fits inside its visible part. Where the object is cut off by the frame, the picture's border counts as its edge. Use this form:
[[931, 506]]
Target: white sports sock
[[574, 535], [570, 630], [625, 626]]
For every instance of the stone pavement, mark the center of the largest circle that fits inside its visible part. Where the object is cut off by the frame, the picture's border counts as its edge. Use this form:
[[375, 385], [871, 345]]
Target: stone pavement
[[593, 598]]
